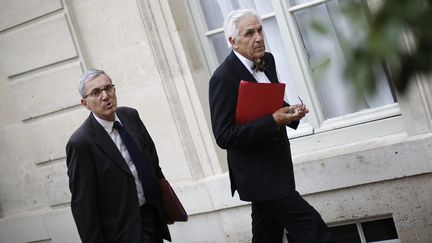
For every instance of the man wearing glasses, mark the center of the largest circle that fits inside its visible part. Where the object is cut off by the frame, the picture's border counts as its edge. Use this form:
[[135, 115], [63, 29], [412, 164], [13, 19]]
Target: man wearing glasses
[[113, 170], [259, 155]]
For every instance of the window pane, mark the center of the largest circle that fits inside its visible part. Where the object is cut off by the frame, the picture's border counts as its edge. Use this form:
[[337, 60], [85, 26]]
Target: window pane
[[326, 59], [275, 45], [261, 6], [220, 46], [215, 11], [212, 13], [379, 230], [345, 233], [297, 2]]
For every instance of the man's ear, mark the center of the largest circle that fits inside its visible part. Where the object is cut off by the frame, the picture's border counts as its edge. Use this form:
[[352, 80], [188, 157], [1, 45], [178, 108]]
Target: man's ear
[[84, 103], [232, 42]]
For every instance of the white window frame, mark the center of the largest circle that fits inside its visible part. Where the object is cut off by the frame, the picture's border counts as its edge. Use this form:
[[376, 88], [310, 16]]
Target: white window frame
[[318, 133]]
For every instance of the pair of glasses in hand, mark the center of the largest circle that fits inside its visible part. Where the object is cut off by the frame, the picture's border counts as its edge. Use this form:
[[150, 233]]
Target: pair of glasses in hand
[[300, 100]]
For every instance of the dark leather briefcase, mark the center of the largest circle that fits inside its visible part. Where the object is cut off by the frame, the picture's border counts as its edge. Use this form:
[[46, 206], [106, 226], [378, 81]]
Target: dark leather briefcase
[[173, 208]]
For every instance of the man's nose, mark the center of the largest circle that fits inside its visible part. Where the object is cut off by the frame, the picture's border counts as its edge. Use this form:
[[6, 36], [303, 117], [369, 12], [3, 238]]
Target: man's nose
[[259, 36], [104, 94]]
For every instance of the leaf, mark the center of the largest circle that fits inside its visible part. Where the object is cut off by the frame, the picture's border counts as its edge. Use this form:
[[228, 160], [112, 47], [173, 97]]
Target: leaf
[[318, 27]]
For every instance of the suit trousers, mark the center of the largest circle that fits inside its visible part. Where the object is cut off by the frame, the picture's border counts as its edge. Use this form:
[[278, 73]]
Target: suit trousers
[[151, 231], [293, 213]]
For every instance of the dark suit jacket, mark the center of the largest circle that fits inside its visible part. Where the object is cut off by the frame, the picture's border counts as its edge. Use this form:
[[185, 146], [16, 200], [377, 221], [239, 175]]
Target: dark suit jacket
[[104, 197], [259, 155]]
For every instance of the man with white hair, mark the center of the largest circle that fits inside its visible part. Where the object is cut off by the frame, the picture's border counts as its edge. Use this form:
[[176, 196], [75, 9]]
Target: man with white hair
[[259, 155]]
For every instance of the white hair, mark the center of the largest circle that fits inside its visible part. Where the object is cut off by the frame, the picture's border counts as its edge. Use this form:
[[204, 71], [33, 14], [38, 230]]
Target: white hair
[[230, 26], [87, 76]]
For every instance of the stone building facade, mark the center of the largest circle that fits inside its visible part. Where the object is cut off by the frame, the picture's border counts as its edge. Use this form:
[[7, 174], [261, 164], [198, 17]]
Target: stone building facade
[[155, 53]]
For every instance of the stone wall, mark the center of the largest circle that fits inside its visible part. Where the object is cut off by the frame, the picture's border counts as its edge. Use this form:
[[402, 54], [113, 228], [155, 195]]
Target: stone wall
[[150, 51]]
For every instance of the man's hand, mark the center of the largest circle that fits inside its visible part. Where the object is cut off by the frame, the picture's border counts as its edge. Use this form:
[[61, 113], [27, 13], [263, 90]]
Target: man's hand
[[286, 115]]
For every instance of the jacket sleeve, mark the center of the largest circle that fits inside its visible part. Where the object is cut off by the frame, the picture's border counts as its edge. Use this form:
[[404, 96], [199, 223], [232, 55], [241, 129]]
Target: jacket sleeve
[[292, 125], [82, 184]]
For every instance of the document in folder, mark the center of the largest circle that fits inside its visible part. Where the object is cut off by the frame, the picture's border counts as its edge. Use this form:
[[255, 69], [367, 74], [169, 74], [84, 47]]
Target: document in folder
[[256, 100]]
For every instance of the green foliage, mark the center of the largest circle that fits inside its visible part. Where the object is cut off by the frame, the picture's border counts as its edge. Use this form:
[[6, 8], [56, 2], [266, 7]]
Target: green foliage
[[318, 27], [399, 36]]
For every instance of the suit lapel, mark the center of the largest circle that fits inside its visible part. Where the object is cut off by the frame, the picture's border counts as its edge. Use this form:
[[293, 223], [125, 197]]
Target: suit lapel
[[270, 71], [242, 71], [105, 143], [272, 78]]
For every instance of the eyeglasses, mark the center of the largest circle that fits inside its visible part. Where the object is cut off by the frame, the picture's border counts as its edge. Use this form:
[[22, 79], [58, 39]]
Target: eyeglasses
[[96, 93], [300, 100]]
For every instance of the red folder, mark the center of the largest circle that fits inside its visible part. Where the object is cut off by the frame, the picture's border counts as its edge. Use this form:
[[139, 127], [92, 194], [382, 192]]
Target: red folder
[[256, 100]]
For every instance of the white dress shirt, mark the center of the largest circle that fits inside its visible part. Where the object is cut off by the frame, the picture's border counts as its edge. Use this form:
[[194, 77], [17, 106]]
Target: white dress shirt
[[115, 136]]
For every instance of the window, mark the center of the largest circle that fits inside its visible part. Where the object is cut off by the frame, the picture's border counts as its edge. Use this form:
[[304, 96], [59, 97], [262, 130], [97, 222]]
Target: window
[[372, 231], [325, 57], [311, 64]]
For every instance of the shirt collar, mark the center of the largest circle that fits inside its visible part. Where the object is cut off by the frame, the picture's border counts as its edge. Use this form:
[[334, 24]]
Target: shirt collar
[[246, 62], [107, 125]]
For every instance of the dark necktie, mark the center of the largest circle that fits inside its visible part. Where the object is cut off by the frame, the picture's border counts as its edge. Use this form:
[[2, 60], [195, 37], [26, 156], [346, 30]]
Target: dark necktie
[[141, 164], [259, 65]]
